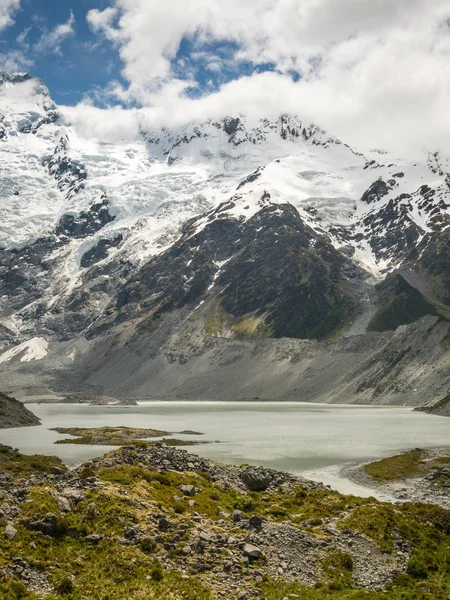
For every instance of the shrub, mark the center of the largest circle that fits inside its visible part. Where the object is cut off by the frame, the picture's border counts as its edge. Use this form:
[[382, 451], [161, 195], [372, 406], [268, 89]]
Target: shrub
[[417, 569], [243, 503], [147, 545], [87, 472], [157, 574], [65, 586], [16, 590]]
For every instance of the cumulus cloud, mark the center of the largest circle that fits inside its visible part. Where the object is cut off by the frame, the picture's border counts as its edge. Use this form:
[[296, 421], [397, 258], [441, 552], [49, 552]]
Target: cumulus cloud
[[50, 41], [7, 10], [374, 73]]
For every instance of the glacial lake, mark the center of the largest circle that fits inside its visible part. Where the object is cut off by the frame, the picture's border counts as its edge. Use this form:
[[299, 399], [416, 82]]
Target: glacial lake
[[314, 440]]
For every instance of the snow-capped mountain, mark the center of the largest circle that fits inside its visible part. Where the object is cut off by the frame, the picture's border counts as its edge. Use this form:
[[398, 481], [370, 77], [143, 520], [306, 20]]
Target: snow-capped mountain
[[256, 228]]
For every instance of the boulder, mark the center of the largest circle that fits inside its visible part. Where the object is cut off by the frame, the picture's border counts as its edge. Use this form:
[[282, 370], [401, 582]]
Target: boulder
[[10, 532], [204, 536], [188, 490], [63, 504], [163, 524], [252, 551], [255, 522], [48, 525], [74, 494], [256, 479]]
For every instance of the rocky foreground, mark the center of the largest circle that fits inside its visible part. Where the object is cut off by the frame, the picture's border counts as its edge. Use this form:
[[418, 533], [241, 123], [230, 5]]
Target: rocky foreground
[[152, 521]]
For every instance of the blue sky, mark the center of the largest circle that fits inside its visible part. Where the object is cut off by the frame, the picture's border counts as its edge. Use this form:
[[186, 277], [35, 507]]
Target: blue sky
[[83, 61], [363, 70]]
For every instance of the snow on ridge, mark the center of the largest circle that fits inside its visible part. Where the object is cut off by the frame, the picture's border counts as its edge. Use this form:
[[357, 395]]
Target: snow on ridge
[[33, 349], [157, 182]]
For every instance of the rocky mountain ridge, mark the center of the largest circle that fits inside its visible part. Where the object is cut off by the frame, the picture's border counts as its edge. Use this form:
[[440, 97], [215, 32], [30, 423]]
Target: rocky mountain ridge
[[14, 414], [241, 229]]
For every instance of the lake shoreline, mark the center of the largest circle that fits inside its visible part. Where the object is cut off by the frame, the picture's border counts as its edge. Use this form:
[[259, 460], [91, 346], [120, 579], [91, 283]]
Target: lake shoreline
[[424, 488], [70, 399], [294, 437]]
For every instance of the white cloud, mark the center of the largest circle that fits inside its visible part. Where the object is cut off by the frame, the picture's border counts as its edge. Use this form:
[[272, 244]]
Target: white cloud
[[103, 20], [13, 61], [50, 41], [374, 73], [22, 37], [7, 10]]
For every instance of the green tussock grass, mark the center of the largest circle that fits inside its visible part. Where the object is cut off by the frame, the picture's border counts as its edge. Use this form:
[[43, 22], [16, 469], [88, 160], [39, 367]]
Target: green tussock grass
[[251, 328], [404, 588], [20, 465], [97, 571], [215, 319], [409, 464], [112, 570], [406, 465]]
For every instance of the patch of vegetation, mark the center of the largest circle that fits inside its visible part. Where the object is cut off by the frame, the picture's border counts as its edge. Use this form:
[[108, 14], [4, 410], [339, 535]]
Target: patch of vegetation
[[65, 587], [115, 566], [337, 568], [403, 589], [179, 443], [377, 521], [21, 465], [107, 436], [215, 319], [303, 508], [408, 464], [11, 589], [251, 328], [405, 465], [107, 569]]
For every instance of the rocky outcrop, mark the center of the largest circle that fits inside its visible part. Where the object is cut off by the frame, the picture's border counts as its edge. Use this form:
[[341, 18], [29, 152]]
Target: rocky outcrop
[[14, 414], [271, 272], [440, 408], [398, 303], [70, 174], [87, 222]]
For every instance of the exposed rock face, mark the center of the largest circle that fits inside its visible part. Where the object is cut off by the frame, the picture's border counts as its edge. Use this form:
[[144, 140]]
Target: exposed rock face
[[271, 267], [14, 414], [86, 223], [69, 173], [432, 258], [377, 190], [100, 251], [440, 408], [398, 303]]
